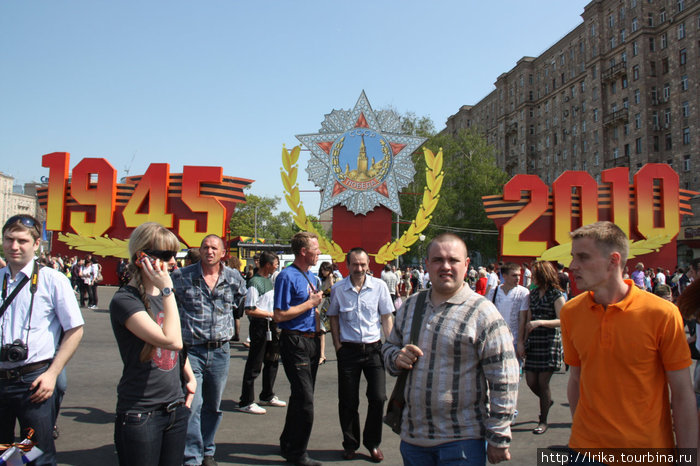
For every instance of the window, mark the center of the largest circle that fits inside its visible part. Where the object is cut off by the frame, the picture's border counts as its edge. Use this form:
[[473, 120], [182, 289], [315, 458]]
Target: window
[[664, 41], [595, 114], [637, 96], [594, 71], [638, 145], [633, 3], [669, 141], [685, 109], [616, 153], [596, 139], [622, 13], [635, 48], [613, 42], [664, 65], [624, 82], [683, 56], [655, 119], [656, 144], [635, 24], [662, 16], [583, 87], [667, 92], [650, 20], [667, 118], [638, 121], [681, 5], [583, 126], [686, 136], [635, 72], [654, 95], [593, 30], [626, 103], [622, 36], [686, 163], [626, 129], [681, 31], [611, 21], [596, 159], [613, 87], [652, 44], [684, 82], [652, 68], [627, 150]]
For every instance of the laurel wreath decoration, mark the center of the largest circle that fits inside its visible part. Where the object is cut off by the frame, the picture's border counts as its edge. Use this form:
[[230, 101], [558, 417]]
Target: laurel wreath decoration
[[101, 245], [390, 251], [562, 252]]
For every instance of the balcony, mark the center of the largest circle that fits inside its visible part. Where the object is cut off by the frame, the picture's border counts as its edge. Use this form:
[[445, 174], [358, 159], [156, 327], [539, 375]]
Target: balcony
[[616, 118], [621, 161], [614, 71]]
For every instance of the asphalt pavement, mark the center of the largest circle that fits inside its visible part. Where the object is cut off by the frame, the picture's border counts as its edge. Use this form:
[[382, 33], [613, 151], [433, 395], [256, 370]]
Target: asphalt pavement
[[86, 421]]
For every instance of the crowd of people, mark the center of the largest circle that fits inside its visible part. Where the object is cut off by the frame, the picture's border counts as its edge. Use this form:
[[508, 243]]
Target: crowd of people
[[458, 337]]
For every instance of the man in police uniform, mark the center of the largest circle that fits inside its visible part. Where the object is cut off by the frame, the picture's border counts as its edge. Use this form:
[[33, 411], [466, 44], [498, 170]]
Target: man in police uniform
[[38, 304]]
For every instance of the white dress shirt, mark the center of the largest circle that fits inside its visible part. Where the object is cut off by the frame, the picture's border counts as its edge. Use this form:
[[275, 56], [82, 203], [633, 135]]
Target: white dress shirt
[[359, 313]]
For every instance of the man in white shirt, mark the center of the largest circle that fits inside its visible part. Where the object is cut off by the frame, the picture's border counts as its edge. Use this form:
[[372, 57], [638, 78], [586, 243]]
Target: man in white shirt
[[360, 310], [33, 355], [493, 280], [512, 301], [660, 277]]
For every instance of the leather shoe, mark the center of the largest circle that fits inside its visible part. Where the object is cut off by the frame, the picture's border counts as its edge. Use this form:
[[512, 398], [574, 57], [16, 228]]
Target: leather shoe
[[349, 454], [306, 461], [377, 455]]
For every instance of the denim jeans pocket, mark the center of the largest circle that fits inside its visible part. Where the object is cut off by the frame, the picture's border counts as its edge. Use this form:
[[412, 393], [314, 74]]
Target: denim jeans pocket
[[134, 419]]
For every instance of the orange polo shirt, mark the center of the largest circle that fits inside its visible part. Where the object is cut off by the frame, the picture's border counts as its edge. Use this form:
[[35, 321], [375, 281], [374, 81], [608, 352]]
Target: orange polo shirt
[[624, 352]]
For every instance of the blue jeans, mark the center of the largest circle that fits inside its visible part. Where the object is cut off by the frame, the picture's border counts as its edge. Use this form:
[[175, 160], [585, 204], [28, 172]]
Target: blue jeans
[[210, 367], [15, 406], [460, 452], [151, 439]]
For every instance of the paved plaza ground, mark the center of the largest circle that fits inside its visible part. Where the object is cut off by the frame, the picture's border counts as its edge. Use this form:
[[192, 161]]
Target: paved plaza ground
[[87, 415]]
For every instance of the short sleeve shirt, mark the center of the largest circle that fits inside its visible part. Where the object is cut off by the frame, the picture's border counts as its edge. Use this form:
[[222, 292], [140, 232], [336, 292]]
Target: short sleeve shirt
[[624, 351], [359, 313], [292, 289]]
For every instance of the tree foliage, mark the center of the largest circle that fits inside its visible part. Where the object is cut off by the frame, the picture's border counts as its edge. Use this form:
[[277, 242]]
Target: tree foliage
[[274, 227], [470, 172]]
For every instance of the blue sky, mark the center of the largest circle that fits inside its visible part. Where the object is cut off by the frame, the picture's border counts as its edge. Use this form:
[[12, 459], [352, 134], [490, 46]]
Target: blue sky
[[227, 83]]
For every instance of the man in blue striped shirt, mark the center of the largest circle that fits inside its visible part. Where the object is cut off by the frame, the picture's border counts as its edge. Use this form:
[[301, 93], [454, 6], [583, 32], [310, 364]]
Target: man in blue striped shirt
[[463, 381]]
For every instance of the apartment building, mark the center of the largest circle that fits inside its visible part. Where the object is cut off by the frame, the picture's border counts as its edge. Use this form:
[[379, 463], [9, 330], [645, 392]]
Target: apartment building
[[621, 89]]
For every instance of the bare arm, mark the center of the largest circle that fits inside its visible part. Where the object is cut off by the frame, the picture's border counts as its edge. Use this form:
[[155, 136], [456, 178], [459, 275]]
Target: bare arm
[[553, 323], [684, 408], [191, 384], [295, 311], [45, 384], [573, 388], [145, 328], [387, 324], [259, 313], [335, 331]]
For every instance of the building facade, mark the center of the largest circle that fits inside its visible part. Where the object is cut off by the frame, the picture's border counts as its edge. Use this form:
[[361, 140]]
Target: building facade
[[14, 203], [620, 90]]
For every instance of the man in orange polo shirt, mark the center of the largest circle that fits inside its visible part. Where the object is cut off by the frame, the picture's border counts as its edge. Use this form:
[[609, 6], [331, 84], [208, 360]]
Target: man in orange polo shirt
[[625, 346]]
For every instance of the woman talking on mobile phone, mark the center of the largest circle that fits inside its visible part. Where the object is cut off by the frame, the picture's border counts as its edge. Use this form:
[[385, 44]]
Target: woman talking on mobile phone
[[157, 383]]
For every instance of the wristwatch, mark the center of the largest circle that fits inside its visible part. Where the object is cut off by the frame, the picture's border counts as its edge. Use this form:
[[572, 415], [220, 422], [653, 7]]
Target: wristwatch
[[166, 291]]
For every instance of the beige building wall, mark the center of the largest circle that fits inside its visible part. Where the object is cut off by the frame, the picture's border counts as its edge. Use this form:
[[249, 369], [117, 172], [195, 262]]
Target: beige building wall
[[621, 89]]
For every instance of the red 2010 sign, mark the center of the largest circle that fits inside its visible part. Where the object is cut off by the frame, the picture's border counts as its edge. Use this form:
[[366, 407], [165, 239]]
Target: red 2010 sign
[[91, 203], [532, 219]]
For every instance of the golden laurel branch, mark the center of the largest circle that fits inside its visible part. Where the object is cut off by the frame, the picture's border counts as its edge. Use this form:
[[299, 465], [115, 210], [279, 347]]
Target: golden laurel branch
[[101, 245], [562, 253], [390, 251]]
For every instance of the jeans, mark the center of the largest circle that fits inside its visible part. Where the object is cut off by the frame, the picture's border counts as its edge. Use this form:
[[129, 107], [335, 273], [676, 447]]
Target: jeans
[[15, 406], [353, 360], [461, 452], [210, 367], [300, 357], [256, 361], [151, 439]]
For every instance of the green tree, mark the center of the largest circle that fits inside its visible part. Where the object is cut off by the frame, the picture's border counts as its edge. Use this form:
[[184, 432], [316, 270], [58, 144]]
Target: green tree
[[470, 172]]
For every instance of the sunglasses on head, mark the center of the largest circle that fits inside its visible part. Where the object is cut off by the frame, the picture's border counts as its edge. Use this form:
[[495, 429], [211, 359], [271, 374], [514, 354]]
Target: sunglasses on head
[[165, 256], [25, 220]]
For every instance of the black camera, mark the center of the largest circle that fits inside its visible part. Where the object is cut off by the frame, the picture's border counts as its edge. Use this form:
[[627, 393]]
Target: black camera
[[13, 352]]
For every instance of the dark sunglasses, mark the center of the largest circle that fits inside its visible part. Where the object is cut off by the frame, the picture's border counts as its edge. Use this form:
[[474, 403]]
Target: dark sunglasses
[[165, 256], [25, 220]]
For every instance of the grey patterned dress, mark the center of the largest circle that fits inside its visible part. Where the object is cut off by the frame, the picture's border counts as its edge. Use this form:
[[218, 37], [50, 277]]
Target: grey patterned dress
[[543, 346]]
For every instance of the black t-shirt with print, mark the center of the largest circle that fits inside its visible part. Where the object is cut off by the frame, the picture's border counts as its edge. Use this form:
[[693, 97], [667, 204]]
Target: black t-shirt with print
[[143, 386]]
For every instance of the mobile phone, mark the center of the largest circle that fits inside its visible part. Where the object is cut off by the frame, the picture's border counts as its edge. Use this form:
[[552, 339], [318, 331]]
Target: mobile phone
[[143, 256]]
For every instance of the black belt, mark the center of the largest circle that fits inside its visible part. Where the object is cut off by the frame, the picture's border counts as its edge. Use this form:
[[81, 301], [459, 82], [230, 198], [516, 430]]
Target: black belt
[[27, 368], [363, 346], [301, 334], [170, 407], [213, 344]]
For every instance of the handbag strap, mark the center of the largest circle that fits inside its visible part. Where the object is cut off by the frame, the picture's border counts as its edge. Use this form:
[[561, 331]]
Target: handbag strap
[[418, 313]]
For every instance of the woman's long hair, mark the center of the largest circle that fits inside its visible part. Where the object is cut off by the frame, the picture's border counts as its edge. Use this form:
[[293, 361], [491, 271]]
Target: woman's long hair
[[149, 235], [545, 276]]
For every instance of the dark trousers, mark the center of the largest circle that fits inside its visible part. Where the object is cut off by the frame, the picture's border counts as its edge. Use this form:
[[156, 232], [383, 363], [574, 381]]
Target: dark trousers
[[86, 291], [15, 406], [256, 359], [353, 361], [300, 357], [151, 439]]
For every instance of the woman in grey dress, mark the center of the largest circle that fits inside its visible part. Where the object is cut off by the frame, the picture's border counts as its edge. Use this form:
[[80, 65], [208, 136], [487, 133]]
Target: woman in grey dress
[[543, 346]]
